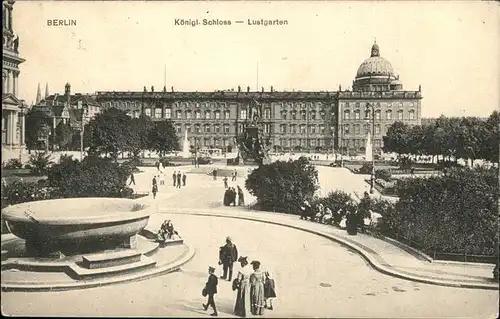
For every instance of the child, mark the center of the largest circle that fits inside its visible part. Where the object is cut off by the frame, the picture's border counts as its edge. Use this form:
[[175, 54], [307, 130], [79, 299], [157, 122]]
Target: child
[[269, 291], [211, 290]]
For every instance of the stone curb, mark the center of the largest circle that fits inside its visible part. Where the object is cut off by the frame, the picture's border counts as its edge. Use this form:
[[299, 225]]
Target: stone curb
[[165, 269], [369, 257]]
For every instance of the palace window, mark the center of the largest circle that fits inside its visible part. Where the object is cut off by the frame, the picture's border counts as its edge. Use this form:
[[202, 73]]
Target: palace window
[[217, 115], [368, 128], [217, 128], [188, 114], [322, 129], [312, 129], [197, 129], [294, 115], [178, 128], [400, 114], [322, 115], [346, 129], [207, 115], [198, 115], [377, 129], [357, 129], [217, 142], [283, 115], [303, 115], [347, 115], [168, 113], [388, 114], [147, 111], [313, 115], [243, 114], [377, 114], [302, 129], [411, 114], [226, 128], [207, 128], [188, 128], [241, 128], [267, 113], [293, 128], [356, 115], [179, 114], [368, 114], [283, 128], [227, 114], [158, 112], [267, 128]]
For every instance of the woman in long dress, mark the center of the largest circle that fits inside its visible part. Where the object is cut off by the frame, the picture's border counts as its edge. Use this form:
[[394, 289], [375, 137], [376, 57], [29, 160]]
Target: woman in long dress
[[242, 306], [257, 280], [269, 290]]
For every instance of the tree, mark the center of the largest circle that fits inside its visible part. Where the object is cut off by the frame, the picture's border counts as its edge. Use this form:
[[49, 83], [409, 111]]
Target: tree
[[163, 138], [63, 135], [490, 141], [93, 177], [109, 132], [397, 139], [140, 128], [283, 186], [35, 120]]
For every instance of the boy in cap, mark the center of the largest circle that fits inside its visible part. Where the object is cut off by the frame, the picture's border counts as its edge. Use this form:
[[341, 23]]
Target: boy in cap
[[211, 290]]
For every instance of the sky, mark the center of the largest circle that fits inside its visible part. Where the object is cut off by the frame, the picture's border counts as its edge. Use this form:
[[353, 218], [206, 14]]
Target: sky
[[449, 48]]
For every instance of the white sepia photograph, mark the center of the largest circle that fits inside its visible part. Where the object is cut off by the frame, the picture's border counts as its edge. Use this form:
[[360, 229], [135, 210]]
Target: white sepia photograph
[[273, 159]]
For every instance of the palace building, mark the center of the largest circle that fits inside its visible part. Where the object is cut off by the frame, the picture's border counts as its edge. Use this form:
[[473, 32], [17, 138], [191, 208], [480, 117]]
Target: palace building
[[12, 106], [298, 121]]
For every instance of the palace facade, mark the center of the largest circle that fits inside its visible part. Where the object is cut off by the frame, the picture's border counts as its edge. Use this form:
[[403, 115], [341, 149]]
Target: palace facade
[[299, 121], [12, 106]]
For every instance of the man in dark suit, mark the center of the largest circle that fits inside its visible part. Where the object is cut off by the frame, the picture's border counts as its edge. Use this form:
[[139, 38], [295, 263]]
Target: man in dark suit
[[211, 290], [228, 254]]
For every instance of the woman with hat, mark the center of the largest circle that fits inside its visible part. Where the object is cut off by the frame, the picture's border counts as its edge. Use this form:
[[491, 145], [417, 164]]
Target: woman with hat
[[257, 289], [242, 284]]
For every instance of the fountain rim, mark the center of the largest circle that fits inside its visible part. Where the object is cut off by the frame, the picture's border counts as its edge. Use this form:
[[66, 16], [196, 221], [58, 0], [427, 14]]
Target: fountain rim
[[15, 213]]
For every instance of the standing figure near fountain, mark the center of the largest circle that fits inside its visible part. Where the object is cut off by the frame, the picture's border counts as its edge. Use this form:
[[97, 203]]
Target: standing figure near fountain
[[154, 190]]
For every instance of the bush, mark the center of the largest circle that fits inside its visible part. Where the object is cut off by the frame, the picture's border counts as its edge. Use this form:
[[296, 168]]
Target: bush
[[93, 177], [13, 163], [20, 192], [40, 163], [283, 186], [383, 174], [28, 166], [365, 169], [455, 213]]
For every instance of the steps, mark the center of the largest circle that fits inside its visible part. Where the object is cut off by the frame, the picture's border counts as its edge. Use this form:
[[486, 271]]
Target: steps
[[108, 264]]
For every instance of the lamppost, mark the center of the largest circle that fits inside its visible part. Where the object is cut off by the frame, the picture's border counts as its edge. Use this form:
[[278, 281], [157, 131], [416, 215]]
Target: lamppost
[[333, 147], [372, 175]]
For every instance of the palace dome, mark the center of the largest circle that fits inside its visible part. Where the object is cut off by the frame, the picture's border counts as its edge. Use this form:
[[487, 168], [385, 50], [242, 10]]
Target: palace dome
[[375, 65]]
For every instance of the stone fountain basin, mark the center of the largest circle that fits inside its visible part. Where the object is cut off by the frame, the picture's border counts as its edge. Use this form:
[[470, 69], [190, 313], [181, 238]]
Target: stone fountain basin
[[80, 220]]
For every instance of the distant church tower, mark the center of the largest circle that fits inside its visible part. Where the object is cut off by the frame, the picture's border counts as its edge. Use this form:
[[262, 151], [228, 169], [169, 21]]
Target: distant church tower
[[46, 90], [38, 95]]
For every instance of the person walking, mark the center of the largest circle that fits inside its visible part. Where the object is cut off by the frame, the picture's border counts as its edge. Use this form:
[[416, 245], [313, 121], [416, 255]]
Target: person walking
[[242, 285], [132, 179], [241, 197], [214, 173], [228, 254], [174, 178], [184, 177], [211, 290], [179, 177], [257, 279], [269, 291], [225, 182], [154, 189], [233, 176]]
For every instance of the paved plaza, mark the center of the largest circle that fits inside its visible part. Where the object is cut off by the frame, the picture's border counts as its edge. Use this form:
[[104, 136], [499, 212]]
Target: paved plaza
[[315, 276]]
